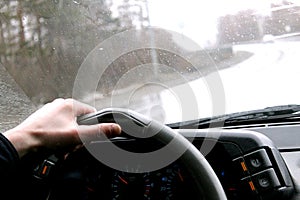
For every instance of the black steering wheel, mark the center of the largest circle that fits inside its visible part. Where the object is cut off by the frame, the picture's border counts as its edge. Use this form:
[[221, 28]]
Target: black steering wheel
[[135, 125]]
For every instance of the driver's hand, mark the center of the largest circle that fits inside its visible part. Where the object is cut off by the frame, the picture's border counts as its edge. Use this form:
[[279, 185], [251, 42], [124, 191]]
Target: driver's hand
[[54, 127]]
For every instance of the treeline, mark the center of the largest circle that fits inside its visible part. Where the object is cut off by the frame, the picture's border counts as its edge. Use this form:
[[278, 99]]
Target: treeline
[[252, 26], [43, 42]]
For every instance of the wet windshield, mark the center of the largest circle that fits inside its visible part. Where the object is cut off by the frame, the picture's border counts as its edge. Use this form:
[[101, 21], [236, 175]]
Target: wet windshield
[[170, 60]]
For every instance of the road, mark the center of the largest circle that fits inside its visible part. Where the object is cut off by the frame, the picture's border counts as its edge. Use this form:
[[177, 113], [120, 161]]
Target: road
[[269, 77]]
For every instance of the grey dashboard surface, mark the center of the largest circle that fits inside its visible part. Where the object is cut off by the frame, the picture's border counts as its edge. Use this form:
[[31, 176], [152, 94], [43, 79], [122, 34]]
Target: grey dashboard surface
[[285, 138]]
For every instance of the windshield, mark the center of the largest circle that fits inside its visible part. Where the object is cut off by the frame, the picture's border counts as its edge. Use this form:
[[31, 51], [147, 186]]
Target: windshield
[[170, 60]]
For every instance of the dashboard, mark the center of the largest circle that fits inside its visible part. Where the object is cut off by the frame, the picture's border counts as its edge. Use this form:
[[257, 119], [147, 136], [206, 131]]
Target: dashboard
[[247, 162], [83, 177]]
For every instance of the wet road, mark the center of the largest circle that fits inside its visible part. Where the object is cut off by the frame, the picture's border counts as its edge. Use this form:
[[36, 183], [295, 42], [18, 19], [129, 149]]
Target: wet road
[[268, 78]]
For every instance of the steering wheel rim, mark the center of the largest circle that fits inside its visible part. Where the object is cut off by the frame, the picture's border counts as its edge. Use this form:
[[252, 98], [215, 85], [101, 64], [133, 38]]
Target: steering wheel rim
[[204, 177], [205, 180]]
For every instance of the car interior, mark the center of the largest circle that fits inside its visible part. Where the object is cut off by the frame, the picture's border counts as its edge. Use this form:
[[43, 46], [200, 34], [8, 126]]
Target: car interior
[[206, 93], [249, 162]]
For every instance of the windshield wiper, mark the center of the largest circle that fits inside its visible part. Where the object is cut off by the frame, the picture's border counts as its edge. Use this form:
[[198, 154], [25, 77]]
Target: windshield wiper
[[269, 114]]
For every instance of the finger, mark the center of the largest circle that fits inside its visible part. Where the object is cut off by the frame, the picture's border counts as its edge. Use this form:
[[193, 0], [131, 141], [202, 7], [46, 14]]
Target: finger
[[103, 131], [80, 108]]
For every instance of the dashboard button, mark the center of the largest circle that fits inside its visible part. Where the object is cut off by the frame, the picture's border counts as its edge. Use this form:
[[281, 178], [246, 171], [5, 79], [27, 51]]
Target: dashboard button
[[266, 180], [248, 189], [257, 161], [241, 167]]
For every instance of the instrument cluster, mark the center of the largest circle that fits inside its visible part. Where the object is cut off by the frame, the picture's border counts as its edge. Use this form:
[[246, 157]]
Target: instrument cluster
[[90, 179]]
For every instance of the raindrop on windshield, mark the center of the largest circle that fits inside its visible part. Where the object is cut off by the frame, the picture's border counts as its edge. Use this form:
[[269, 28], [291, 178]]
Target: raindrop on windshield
[[76, 2], [24, 18]]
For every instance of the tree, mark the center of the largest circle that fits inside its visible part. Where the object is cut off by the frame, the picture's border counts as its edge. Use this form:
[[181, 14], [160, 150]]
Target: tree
[[44, 42], [284, 18], [241, 27]]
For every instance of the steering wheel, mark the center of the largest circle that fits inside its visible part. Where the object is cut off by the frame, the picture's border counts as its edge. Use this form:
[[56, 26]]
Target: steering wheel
[[135, 125]]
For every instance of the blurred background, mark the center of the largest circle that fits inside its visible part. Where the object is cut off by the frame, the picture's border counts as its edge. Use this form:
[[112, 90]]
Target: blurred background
[[44, 42]]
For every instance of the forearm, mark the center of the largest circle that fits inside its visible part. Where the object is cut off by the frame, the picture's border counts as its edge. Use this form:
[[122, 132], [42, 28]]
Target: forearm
[[21, 141], [8, 157], [13, 176]]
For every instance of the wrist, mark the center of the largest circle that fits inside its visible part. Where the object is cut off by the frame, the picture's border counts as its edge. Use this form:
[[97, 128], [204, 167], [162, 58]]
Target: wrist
[[22, 140]]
